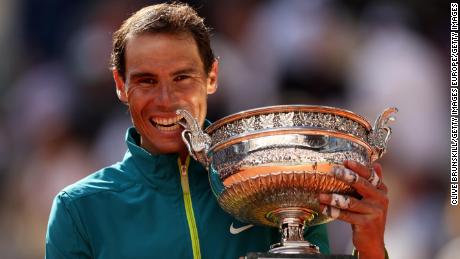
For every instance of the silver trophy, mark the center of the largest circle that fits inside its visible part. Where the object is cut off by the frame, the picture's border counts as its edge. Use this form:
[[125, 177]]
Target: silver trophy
[[267, 166]]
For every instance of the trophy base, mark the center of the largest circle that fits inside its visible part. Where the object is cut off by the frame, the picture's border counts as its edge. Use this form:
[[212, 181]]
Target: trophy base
[[295, 256], [294, 247]]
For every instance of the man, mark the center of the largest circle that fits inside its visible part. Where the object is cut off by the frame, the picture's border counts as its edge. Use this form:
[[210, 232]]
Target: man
[[156, 202]]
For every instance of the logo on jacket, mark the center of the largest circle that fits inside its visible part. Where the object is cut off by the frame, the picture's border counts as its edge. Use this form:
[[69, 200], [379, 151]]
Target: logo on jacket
[[235, 231]]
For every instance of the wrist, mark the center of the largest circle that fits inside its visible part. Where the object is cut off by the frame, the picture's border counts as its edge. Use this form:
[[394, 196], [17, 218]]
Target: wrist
[[374, 253]]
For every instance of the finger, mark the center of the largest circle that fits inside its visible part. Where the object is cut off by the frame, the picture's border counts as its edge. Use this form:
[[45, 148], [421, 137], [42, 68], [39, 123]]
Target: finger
[[359, 168], [378, 169], [374, 179], [330, 211], [374, 175], [361, 185], [345, 202], [335, 213], [383, 188], [345, 174]]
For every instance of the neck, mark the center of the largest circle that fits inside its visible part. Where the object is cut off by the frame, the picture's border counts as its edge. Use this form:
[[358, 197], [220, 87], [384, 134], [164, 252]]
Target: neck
[[182, 152]]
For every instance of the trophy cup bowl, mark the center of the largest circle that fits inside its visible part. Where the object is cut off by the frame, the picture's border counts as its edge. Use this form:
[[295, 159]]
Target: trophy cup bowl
[[267, 166]]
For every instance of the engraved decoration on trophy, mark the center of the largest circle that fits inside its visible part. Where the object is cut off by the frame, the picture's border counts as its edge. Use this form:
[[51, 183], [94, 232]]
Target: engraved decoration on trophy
[[267, 166]]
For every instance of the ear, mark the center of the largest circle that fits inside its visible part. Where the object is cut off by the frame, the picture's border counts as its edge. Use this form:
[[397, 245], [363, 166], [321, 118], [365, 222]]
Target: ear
[[120, 86], [212, 78]]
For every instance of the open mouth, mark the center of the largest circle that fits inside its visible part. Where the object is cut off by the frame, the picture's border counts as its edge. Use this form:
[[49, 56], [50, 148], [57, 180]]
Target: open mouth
[[167, 124]]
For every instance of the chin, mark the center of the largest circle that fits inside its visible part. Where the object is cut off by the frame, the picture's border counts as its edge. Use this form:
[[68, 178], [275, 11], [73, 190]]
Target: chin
[[172, 148]]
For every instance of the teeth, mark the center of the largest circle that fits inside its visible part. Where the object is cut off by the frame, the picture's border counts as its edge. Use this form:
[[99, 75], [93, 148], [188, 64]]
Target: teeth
[[167, 121], [171, 128]]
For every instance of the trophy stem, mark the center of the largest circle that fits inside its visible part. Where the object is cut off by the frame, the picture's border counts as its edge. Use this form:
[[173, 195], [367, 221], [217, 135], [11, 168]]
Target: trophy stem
[[291, 223]]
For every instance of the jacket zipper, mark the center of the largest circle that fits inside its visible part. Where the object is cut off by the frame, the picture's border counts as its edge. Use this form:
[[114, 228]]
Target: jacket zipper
[[189, 208]]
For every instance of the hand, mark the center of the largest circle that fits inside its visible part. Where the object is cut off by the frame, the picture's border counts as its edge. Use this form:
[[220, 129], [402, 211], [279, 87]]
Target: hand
[[367, 215]]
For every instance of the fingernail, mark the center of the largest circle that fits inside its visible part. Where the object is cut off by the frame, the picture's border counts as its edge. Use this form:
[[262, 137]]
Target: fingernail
[[337, 170], [341, 201], [331, 212], [324, 211]]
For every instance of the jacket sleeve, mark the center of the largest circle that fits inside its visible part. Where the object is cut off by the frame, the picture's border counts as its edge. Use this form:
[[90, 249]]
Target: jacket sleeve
[[63, 237], [318, 235]]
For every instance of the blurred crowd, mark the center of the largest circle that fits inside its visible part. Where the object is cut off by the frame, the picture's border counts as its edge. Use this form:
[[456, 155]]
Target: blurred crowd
[[60, 119]]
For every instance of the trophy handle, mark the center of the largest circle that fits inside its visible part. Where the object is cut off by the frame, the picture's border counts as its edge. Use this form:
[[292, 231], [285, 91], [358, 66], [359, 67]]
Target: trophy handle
[[196, 141], [381, 132]]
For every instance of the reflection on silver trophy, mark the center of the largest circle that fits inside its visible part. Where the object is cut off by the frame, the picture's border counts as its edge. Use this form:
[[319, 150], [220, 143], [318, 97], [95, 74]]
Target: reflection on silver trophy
[[267, 165]]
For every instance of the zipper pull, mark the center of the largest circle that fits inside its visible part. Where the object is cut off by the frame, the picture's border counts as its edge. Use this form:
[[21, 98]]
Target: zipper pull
[[183, 170], [183, 167]]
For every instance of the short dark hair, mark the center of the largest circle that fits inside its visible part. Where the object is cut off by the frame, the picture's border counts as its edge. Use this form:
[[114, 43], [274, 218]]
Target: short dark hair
[[176, 18]]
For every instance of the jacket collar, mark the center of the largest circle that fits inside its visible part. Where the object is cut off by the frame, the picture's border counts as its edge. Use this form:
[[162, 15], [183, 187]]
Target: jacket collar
[[160, 171]]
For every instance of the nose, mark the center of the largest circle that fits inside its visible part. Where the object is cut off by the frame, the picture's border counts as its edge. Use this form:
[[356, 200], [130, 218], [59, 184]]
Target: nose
[[164, 94]]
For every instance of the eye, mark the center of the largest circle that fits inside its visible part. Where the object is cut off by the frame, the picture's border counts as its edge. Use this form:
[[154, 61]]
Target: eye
[[147, 81], [181, 78]]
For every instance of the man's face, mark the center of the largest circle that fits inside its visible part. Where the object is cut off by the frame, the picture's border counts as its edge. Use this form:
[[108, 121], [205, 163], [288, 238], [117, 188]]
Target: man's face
[[164, 72]]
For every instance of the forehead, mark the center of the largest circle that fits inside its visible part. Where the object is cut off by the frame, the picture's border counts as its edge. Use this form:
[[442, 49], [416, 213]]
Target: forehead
[[161, 51]]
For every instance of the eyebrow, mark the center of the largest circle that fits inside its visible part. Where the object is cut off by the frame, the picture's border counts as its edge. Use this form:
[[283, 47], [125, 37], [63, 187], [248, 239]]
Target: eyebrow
[[190, 70], [141, 74]]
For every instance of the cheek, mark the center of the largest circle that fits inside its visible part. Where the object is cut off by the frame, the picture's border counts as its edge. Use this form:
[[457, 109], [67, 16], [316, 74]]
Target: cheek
[[200, 104], [198, 98], [137, 100], [193, 95], [136, 93]]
